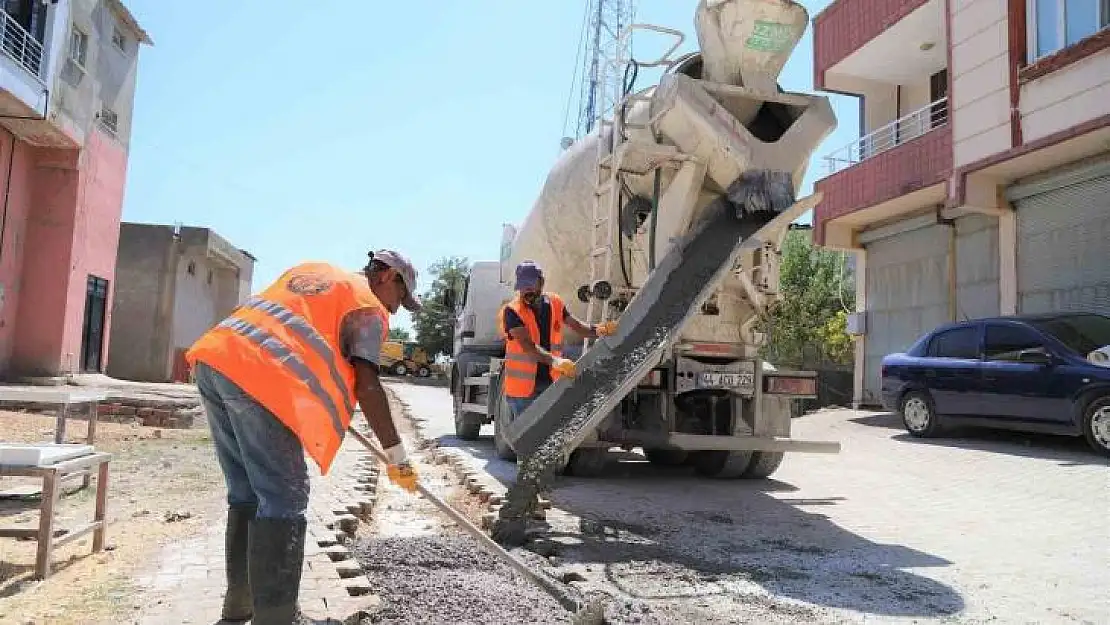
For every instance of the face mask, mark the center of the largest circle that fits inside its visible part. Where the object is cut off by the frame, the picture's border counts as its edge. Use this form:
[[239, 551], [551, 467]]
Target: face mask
[[531, 298]]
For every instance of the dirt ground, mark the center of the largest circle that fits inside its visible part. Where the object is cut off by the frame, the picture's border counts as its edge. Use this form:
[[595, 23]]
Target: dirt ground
[[163, 485]]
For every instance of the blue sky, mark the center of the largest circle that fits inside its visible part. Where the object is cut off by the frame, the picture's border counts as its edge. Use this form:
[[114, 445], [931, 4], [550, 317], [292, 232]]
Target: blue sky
[[317, 131]]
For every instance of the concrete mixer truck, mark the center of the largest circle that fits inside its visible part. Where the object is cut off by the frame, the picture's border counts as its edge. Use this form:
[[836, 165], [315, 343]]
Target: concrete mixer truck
[[667, 218]]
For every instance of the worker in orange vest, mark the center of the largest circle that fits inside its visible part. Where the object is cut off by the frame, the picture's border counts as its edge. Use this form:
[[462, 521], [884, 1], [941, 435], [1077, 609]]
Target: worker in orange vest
[[279, 379], [532, 325]]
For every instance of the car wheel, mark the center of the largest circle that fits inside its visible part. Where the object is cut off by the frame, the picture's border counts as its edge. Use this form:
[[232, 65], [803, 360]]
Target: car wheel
[[918, 414], [1096, 424]]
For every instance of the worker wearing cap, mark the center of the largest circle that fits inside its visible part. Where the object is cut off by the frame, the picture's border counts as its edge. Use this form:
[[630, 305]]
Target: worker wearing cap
[[532, 324], [279, 379]]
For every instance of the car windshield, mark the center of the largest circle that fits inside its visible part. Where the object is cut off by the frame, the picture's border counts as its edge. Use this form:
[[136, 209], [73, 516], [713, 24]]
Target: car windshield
[[1082, 333]]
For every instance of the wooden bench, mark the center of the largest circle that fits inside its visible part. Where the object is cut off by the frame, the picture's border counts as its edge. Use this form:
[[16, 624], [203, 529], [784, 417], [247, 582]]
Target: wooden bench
[[64, 397], [52, 475]]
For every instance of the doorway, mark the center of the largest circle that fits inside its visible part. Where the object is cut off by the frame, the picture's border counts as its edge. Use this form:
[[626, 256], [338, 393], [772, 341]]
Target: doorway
[[92, 330]]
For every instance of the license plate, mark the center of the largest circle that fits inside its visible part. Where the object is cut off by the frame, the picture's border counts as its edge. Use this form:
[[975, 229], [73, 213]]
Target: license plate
[[726, 380]]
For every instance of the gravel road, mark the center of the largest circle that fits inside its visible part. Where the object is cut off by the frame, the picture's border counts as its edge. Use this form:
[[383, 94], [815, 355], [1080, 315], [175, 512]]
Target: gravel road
[[426, 570], [984, 528]]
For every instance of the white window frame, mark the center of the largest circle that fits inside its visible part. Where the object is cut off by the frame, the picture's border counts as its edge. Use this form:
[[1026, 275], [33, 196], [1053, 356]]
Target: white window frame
[[119, 39], [1102, 16], [78, 47]]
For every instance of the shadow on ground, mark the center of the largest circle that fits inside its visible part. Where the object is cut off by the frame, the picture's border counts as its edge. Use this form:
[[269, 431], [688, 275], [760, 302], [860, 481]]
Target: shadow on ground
[[1067, 450], [666, 534]]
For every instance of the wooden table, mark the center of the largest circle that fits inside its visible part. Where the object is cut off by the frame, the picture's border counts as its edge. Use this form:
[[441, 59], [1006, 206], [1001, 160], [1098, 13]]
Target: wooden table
[[51, 475], [64, 396]]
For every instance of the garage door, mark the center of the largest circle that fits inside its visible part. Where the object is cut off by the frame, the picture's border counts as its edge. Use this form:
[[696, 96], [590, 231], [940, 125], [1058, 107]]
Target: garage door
[[1063, 251], [907, 295]]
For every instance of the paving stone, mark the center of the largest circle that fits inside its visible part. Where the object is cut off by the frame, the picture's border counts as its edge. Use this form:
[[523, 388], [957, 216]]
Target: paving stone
[[195, 568]]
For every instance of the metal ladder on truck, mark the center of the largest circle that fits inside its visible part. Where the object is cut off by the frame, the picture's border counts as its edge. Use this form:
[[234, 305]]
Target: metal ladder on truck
[[615, 158]]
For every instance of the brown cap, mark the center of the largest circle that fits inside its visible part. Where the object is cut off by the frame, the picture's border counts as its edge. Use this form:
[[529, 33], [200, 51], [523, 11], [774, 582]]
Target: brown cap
[[404, 267]]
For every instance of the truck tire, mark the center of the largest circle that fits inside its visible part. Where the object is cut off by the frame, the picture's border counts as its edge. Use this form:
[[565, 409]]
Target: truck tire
[[587, 462], [467, 424], [423, 372], [763, 464], [666, 457], [500, 445], [722, 464], [399, 369]]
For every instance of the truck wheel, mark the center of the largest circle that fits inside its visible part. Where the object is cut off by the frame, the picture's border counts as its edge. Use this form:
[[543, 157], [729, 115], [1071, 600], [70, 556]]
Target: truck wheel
[[587, 462], [400, 369], [666, 457], [763, 464], [722, 464], [500, 445], [423, 372], [467, 425]]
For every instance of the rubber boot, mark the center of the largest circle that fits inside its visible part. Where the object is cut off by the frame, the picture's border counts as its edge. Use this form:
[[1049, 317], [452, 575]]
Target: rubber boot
[[276, 558], [237, 601]]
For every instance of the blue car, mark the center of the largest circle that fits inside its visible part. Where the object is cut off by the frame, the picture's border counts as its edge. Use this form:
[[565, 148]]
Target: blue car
[[1039, 373]]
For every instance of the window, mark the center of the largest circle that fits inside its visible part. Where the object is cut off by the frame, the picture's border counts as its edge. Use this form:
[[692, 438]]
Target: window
[[1006, 342], [956, 343], [108, 120], [78, 47], [1057, 24], [119, 40], [1082, 333]]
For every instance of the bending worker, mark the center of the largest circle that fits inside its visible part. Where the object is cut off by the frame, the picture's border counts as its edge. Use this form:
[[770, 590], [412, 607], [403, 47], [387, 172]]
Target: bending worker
[[279, 378], [532, 324]]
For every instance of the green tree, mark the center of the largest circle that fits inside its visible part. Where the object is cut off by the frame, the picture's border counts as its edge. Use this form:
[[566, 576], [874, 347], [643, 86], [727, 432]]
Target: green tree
[[435, 323], [807, 327], [400, 334]]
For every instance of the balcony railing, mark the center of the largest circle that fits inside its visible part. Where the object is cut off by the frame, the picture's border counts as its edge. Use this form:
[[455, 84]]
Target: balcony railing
[[897, 132], [18, 44]]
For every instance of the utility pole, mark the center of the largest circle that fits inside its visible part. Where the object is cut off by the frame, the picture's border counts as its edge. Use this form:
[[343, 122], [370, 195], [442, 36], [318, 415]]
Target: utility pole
[[603, 61]]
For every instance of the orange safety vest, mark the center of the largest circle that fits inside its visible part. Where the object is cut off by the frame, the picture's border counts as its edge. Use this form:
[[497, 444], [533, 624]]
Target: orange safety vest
[[282, 348], [519, 377]]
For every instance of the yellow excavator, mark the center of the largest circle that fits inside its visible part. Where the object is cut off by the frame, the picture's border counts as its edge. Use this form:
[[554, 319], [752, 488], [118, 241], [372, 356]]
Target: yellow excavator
[[405, 358]]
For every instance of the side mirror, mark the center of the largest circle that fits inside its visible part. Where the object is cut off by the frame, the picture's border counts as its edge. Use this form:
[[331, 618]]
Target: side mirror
[[449, 299], [1034, 357]]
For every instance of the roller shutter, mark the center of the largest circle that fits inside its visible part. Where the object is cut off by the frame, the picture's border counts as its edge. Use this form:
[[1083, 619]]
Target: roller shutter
[[1063, 242], [907, 295]]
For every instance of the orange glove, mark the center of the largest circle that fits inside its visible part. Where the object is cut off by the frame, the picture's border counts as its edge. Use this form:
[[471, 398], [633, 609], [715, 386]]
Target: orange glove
[[402, 475], [606, 328], [564, 367]]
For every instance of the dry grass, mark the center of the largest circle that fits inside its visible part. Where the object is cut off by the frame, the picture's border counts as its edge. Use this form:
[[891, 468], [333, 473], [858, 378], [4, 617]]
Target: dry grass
[[153, 473]]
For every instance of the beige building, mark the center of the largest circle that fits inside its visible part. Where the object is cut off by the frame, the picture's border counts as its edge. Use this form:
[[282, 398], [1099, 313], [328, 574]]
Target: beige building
[[981, 184], [174, 284]]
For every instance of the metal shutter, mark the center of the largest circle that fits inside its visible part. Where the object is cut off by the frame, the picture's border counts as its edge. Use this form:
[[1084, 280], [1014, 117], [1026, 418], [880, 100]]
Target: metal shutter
[[1063, 254], [907, 295], [976, 267]]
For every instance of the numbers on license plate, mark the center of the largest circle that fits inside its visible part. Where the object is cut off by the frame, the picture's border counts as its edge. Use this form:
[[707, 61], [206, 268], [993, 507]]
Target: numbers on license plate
[[727, 380]]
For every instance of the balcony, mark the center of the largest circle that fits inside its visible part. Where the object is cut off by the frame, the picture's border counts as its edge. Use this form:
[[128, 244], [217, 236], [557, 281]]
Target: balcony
[[19, 46], [900, 168], [897, 132], [858, 44]]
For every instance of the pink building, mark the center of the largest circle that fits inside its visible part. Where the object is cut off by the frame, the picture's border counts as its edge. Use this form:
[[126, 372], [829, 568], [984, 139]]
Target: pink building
[[981, 183], [67, 87]]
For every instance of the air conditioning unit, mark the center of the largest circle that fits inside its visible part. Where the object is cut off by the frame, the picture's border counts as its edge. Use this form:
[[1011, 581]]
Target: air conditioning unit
[[857, 323]]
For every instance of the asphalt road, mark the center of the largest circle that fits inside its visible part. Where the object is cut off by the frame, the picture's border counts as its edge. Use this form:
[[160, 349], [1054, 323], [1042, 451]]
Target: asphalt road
[[983, 528]]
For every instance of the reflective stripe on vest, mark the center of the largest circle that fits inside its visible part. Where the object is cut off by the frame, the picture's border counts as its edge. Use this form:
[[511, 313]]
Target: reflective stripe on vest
[[311, 337], [278, 350]]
